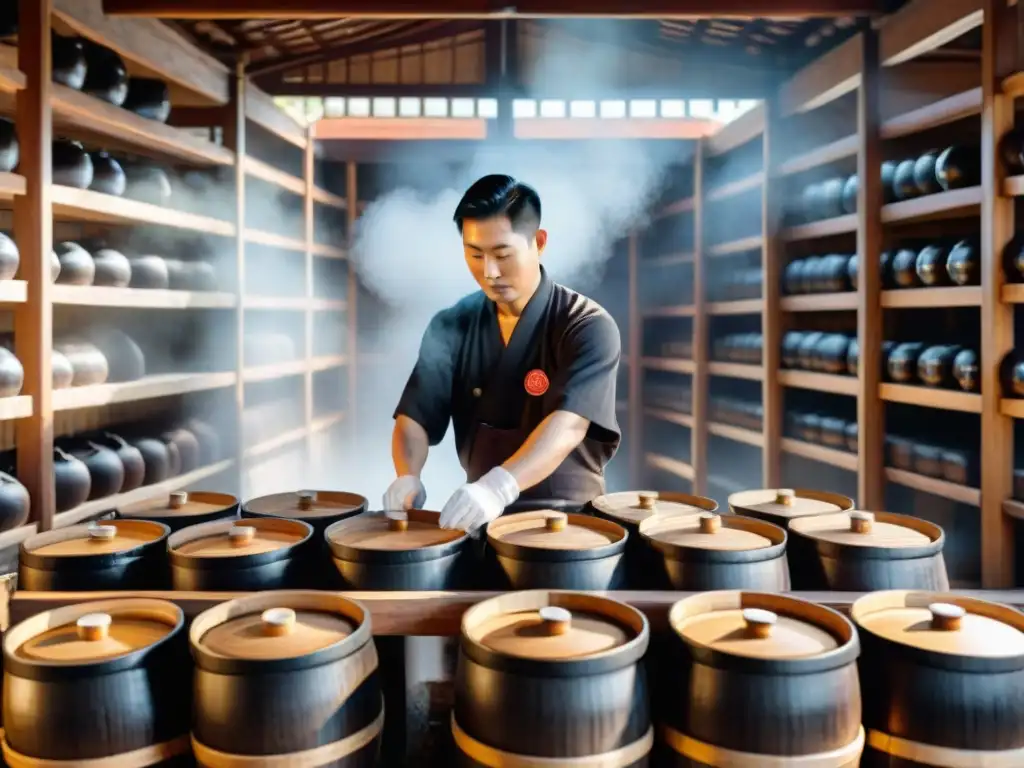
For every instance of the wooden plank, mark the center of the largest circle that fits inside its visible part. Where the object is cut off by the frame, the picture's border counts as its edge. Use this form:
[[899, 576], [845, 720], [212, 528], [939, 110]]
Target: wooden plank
[[101, 296], [997, 229], [737, 434], [839, 225], [820, 302], [820, 453], [673, 365], [772, 253], [16, 407], [944, 489], [352, 345], [924, 298], [738, 187], [33, 231], [160, 385], [683, 310], [944, 205], [922, 26], [265, 172], [941, 112], [827, 78], [234, 138], [752, 243], [699, 381], [309, 224], [928, 397], [151, 46], [260, 108], [635, 376], [823, 155], [738, 307], [85, 205], [736, 371], [819, 382], [740, 131], [670, 465], [673, 417]]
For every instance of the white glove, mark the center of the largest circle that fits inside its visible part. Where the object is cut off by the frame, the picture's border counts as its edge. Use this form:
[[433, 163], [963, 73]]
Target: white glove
[[476, 504], [406, 492]]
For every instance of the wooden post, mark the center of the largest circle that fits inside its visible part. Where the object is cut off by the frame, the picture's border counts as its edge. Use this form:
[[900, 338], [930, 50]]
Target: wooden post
[[635, 373], [870, 408], [352, 194], [771, 312], [309, 172], [997, 223], [33, 232], [699, 379]]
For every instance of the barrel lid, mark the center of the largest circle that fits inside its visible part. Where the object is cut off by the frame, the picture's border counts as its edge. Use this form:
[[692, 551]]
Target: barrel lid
[[272, 626], [179, 504], [858, 528], [757, 625], [307, 504], [548, 529], [234, 538], [93, 632], [942, 623], [712, 531], [788, 502], [106, 538], [551, 626], [634, 506], [419, 530]]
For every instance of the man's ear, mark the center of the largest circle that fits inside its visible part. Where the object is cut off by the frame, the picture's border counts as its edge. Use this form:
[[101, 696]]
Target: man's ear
[[542, 240]]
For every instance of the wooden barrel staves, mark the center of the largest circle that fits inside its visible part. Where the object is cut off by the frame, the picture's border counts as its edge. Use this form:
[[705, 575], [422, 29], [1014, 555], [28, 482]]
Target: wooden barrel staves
[[106, 681], [118, 554], [760, 680], [180, 509], [861, 551], [942, 679], [551, 679], [376, 552], [629, 509], [285, 678], [780, 505], [711, 551], [238, 556]]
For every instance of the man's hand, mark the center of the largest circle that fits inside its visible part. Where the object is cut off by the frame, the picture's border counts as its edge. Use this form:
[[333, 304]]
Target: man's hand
[[406, 492], [476, 504]]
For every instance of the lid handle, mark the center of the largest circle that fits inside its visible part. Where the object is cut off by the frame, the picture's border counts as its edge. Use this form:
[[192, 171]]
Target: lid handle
[[102, 532], [93, 626], [946, 617], [306, 499], [861, 522], [240, 535], [647, 499], [759, 622], [785, 497], [277, 621], [556, 621], [177, 500], [556, 522], [398, 524], [710, 522]]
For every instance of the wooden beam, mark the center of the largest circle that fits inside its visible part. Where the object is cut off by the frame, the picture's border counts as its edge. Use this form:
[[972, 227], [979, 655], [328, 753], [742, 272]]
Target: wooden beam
[[635, 376], [489, 9], [700, 337], [833, 75], [922, 26], [261, 109], [772, 251]]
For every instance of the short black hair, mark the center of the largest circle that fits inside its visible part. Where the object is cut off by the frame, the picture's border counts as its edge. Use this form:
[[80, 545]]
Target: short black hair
[[501, 195]]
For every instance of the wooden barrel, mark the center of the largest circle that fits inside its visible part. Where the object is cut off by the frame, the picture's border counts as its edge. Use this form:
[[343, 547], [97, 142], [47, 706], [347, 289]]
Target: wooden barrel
[[285, 679], [712, 551], [942, 679], [229, 556], [555, 550], [107, 680], [629, 509], [117, 554], [552, 679], [861, 551], [780, 505], [760, 680], [180, 509], [319, 509], [375, 552]]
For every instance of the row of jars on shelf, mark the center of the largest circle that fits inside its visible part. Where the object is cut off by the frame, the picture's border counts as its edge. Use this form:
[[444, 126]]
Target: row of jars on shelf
[[738, 348], [566, 668]]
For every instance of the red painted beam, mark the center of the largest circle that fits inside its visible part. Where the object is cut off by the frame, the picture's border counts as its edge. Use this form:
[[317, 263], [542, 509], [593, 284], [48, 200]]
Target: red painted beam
[[488, 9]]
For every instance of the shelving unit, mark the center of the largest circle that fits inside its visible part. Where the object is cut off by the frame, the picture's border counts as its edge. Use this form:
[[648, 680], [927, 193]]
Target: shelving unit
[[220, 124]]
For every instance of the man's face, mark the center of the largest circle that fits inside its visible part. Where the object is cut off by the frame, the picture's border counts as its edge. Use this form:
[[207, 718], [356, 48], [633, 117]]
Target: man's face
[[504, 263]]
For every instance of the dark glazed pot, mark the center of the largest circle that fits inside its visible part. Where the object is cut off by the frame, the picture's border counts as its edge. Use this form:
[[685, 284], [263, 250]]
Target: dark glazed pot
[[959, 166], [112, 268], [850, 190], [12, 374], [107, 174], [14, 502], [149, 272], [149, 98], [966, 370], [10, 258], [54, 266], [88, 364], [9, 149], [187, 446], [130, 457], [147, 183], [106, 76], [72, 166], [106, 472], [63, 373], [125, 360], [931, 265], [963, 265], [924, 173], [903, 181], [76, 265], [71, 479], [210, 447], [68, 56], [156, 458]]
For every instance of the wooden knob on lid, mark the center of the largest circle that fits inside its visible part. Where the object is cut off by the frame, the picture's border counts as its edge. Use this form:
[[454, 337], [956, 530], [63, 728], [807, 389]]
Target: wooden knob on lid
[[177, 500], [93, 626], [710, 522], [860, 522], [647, 499], [556, 621], [759, 621], [556, 522], [102, 532], [240, 535], [785, 497], [277, 621], [306, 499], [398, 524], [946, 617]]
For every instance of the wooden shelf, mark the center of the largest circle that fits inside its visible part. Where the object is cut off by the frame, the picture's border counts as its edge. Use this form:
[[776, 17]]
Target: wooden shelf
[[100, 296], [86, 205], [269, 239], [820, 453], [17, 407], [326, 362], [824, 155], [820, 302], [819, 382], [1014, 509], [753, 243], [668, 260], [738, 187], [684, 205], [328, 251], [943, 205], [1013, 186], [941, 112], [739, 307], [840, 225], [11, 186], [282, 303], [271, 175], [737, 434], [1012, 293], [936, 487], [274, 371], [11, 80], [673, 417], [672, 466], [326, 422], [323, 197], [327, 305], [736, 371], [682, 310], [13, 291], [930, 397], [1012, 407], [928, 298], [159, 385], [276, 443], [673, 365]]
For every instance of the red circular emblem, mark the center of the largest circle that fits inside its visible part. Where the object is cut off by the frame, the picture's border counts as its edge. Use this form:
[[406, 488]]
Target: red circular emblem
[[536, 382]]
